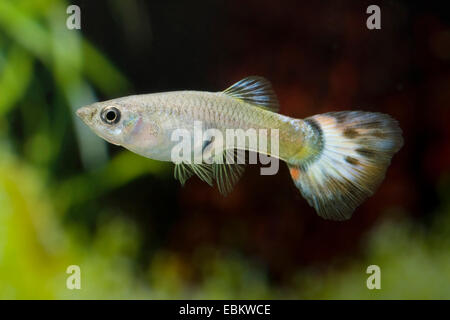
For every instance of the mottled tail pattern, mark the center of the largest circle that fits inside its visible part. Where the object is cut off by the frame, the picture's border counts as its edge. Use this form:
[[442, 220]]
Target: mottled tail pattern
[[356, 150]]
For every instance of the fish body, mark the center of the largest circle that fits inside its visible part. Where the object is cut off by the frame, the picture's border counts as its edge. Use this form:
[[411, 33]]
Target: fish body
[[335, 159], [152, 119]]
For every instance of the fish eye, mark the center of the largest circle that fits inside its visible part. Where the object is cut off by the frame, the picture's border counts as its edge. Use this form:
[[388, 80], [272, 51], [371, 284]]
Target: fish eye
[[110, 115]]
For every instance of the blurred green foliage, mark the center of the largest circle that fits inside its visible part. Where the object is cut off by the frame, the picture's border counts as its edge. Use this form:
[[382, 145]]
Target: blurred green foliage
[[37, 52]]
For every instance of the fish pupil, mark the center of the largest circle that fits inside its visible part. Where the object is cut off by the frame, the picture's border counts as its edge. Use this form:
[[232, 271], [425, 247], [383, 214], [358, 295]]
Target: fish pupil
[[110, 115]]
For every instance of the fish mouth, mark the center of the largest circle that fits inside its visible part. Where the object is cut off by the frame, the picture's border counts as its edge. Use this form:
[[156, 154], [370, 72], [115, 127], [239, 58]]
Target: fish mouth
[[86, 113]]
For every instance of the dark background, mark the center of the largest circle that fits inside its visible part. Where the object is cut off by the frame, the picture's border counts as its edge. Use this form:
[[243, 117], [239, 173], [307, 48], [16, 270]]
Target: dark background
[[136, 232], [320, 57]]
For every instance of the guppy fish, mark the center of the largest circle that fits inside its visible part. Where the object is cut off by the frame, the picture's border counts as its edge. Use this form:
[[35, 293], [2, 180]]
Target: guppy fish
[[336, 159]]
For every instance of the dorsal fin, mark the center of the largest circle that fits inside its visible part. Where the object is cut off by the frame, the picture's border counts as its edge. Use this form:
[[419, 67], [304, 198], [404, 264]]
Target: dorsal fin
[[255, 90]]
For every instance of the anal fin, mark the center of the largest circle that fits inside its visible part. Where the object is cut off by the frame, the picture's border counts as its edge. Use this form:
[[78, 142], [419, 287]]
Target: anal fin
[[228, 173]]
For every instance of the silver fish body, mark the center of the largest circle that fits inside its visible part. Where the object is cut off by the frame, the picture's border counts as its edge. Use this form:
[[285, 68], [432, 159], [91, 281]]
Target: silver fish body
[[149, 120]]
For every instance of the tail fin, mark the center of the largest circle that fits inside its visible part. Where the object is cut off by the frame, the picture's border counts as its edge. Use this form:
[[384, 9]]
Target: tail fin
[[355, 150]]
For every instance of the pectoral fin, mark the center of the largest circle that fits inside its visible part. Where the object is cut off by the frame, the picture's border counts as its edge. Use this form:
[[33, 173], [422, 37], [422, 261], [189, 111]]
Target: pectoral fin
[[183, 171], [226, 173]]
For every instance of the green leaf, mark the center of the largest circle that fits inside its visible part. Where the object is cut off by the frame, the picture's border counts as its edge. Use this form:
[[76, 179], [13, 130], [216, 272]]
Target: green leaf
[[14, 78]]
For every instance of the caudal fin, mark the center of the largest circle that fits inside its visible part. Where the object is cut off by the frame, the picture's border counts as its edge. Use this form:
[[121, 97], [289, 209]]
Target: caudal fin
[[355, 150]]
